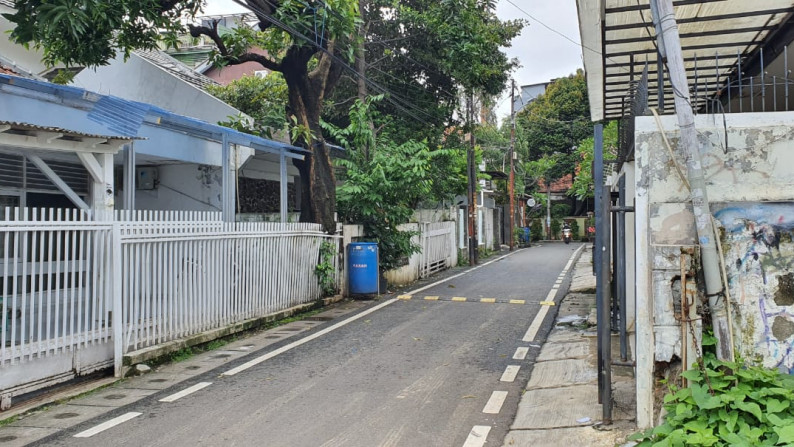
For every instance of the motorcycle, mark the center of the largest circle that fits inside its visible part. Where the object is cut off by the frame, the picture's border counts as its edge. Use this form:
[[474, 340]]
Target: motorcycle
[[567, 234]]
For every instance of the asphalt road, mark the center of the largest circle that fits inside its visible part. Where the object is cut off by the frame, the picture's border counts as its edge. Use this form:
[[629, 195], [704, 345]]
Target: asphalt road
[[414, 372]]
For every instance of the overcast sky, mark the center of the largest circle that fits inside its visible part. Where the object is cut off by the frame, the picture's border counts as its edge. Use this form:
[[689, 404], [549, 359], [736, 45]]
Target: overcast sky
[[543, 54]]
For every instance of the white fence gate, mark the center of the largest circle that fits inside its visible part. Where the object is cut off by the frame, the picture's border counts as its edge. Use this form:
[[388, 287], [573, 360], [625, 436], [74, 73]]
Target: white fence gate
[[173, 274], [56, 281], [438, 247]]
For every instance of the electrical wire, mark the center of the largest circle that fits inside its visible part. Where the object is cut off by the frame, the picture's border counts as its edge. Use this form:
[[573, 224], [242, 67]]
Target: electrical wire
[[391, 97]]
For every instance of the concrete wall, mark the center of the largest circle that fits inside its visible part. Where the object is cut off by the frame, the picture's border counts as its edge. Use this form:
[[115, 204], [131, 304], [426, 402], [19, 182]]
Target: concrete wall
[[744, 174]]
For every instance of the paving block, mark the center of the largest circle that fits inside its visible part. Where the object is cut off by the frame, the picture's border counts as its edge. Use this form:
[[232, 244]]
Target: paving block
[[60, 417], [11, 436], [557, 373], [159, 380], [564, 437], [114, 397], [557, 407], [567, 350]]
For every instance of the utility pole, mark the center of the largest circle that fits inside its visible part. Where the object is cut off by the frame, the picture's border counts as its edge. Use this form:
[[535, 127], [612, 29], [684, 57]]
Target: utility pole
[[664, 19], [472, 174], [511, 187]]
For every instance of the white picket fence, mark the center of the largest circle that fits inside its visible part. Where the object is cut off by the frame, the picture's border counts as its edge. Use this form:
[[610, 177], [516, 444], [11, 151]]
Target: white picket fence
[[174, 274], [438, 247], [187, 273]]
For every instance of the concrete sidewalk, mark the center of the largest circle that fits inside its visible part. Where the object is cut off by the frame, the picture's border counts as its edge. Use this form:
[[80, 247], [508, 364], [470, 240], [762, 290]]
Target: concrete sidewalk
[[560, 405]]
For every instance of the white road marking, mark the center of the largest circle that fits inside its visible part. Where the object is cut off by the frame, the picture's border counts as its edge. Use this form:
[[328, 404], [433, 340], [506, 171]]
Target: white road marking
[[305, 340], [477, 436], [535, 326], [297, 343], [186, 392], [494, 405], [538, 321], [414, 292], [107, 424], [521, 353], [510, 373]]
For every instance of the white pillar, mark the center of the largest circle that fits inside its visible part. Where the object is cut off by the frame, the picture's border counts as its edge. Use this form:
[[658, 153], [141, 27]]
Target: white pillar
[[227, 181], [130, 174], [283, 205]]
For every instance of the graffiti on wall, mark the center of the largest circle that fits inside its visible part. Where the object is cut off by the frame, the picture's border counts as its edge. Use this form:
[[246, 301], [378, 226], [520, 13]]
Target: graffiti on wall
[[759, 257]]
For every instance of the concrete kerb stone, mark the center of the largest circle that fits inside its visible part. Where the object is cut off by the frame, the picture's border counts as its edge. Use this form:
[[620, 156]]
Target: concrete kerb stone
[[164, 349]]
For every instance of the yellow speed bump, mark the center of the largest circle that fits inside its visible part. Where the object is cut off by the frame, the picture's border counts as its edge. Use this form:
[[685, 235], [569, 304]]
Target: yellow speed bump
[[517, 301], [487, 300], [431, 298], [547, 303], [404, 297], [458, 298]]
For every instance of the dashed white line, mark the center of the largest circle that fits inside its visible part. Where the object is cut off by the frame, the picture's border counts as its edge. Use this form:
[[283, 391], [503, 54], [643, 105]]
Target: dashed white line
[[494, 405], [477, 436], [186, 392], [107, 424], [535, 326], [521, 353], [510, 373], [305, 340]]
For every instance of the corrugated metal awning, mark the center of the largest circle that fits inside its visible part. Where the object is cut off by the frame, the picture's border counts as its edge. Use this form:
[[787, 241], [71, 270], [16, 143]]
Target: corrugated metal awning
[[618, 39]]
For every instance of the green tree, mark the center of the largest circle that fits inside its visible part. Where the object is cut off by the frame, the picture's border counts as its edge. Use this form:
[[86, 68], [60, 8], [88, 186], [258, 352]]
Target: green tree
[[262, 98], [374, 191], [553, 124], [583, 183]]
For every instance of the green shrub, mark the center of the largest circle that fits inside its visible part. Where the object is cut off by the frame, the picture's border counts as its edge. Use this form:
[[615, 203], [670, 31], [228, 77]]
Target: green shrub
[[575, 228], [560, 210], [536, 230], [556, 225], [731, 404]]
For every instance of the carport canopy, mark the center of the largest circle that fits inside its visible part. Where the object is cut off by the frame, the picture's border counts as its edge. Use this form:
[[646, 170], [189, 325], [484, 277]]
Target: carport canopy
[[618, 38]]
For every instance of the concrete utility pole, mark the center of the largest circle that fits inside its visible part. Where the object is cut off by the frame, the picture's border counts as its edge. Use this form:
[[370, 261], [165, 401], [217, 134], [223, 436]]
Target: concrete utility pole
[[664, 18], [472, 186], [512, 185]]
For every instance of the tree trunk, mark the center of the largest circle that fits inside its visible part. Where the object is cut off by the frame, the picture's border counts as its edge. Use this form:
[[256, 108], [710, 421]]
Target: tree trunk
[[318, 192]]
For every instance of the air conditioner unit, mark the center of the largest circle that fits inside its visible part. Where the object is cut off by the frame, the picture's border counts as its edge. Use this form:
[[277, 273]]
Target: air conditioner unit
[[146, 177]]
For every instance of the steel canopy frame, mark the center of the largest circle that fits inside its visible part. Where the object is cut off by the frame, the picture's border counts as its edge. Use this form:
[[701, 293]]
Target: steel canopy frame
[[618, 40]]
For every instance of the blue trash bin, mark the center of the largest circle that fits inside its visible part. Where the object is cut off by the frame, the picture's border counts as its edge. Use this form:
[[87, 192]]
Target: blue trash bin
[[362, 267]]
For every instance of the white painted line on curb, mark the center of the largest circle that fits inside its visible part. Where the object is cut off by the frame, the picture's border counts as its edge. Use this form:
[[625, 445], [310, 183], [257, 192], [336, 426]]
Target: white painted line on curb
[[186, 392], [521, 353], [510, 373], [552, 294], [477, 436], [535, 326], [494, 405], [107, 424], [304, 340]]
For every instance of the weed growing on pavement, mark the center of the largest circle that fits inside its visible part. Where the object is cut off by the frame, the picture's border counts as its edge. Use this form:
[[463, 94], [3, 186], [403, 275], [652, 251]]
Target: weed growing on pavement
[[325, 269], [727, 403]]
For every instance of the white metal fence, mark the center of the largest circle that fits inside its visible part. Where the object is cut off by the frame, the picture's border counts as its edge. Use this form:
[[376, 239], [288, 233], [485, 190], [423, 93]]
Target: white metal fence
[[186, 273], [174, 274], [438, 247], [56, 283]]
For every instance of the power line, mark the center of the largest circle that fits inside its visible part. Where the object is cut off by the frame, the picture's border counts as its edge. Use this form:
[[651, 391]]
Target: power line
[[390, 96]]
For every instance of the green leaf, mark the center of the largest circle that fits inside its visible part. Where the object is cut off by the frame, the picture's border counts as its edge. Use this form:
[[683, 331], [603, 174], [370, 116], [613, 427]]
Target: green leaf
[[775, 406], [704, 400], [752, 408]]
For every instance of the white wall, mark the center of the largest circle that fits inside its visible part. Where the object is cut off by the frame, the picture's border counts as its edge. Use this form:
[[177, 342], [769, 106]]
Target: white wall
[[137, 79]]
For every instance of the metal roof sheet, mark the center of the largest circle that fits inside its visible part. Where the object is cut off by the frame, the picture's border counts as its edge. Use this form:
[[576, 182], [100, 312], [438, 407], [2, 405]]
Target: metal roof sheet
[[66, 132], [618, 39], [176, 68], [126, 117]]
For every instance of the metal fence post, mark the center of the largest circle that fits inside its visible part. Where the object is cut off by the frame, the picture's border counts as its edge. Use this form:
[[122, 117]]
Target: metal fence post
[[118, 332]]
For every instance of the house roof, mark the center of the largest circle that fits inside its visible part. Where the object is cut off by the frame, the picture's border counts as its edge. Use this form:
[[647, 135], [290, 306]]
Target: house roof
[[560, 185], [9, 3], [176, 68], [6, 126], [126, 117], [618, 40]]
